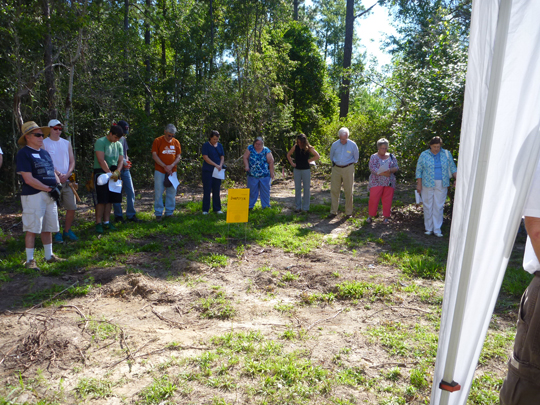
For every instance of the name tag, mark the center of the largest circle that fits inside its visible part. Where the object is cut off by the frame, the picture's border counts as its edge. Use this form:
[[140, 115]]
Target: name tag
[[36, 156], [349, 151]]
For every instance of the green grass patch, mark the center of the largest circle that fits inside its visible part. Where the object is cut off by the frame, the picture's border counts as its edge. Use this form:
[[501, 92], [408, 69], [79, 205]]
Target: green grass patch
[[216, 306], [516, 280], [94, 388], [350, 290], [60, 294]]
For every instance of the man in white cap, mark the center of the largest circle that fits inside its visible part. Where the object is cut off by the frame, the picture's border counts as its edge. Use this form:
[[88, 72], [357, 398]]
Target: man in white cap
[[64, 163], [40, 191]]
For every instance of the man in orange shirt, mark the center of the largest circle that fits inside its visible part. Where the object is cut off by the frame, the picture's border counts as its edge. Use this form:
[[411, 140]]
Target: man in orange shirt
[[166, 153]]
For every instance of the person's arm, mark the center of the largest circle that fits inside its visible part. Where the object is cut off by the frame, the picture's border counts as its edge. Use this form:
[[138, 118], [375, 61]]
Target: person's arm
[[159, 161], [532, 224], [246, 160], [289, 156], [419, 166], [356, 153], [35, 183], [373, 166], [315, 154], [270, 160], [100, 155], [120, 162], [1, 159], [71, 166]]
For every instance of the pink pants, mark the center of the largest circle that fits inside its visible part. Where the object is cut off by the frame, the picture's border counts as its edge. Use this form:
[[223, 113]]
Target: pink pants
[[380, 193]]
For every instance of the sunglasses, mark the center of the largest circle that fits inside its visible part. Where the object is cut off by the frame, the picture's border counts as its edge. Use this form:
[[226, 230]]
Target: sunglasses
[[57, 128], [38, 135]]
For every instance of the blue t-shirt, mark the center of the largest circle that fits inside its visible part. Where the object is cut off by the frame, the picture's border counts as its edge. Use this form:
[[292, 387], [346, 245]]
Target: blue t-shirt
[[37, 162], [214, 153], [437, 166], [258, 165]]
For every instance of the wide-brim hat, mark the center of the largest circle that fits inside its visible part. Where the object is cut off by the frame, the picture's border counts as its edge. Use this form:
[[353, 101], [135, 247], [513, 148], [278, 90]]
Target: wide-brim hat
[[28, 127]]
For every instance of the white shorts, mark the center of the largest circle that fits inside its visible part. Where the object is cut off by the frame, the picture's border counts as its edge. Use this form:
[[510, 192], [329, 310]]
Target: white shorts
[[40, 213]]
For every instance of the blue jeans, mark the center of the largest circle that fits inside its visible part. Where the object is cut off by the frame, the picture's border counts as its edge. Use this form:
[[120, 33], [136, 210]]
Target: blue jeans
[[170, 197], [127, 187], [210, 185], [302, 176], [259, 186]]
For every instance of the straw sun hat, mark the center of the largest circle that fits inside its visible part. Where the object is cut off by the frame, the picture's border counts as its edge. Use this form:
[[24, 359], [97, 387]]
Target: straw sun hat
[[28, 127]]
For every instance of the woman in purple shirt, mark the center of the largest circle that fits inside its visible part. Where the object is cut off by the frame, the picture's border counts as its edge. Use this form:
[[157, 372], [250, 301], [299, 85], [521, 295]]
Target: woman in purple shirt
[[382, 180]]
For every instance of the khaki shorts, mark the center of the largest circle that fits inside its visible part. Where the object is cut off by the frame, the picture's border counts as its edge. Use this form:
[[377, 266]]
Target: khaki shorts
[[40, 213], [67, 199]]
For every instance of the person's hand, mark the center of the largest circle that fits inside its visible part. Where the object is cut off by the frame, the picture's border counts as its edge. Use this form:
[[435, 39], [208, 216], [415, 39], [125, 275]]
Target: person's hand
[[63, 177], [272, 176], [55, 192], [386, 173], [218, 167], [419, 188], [168, 169], [116, 175], [127, 164], [294, 164], [246, 168]]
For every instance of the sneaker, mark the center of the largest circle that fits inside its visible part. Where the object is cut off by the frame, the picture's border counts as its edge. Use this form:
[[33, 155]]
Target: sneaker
[[158, 219], [220, 212], [385, 221], [31, 265], [119, 219], [134, 219], [205, 213], [58, 238], [109, 226], [331, 215], [70, 235], [55, 259], [297, 210], [438, 234], [428, 233], [368, 220], [99, 228]]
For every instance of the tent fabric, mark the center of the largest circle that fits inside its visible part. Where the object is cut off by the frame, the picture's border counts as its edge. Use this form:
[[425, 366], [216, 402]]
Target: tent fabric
[[499, 149]]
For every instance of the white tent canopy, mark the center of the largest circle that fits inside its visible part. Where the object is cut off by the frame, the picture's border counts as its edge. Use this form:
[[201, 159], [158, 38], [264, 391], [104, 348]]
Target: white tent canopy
[[499, 150]]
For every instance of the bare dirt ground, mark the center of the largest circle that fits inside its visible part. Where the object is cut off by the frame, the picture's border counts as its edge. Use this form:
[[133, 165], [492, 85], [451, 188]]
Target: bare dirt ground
[[126, 329]]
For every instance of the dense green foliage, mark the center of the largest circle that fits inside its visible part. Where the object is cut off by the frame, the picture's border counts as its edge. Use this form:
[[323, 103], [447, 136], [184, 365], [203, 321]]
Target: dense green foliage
[[244, 68]]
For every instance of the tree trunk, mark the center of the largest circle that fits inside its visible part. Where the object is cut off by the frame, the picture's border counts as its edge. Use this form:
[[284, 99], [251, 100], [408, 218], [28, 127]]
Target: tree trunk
[[126, 28], [347, 57], [295, 16], [211, 37], [147, 62], [47, 59]]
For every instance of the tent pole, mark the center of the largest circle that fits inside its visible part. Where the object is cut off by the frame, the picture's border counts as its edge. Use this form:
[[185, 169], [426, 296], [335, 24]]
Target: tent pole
[[505, 8]]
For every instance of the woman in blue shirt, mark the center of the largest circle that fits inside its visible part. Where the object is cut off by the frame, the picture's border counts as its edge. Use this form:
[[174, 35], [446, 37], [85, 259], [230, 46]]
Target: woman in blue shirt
[[213, 155], [434, 169], [259, 165]]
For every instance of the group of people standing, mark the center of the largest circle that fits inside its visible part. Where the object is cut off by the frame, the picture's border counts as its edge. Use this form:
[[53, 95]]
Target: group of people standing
[[46, 163]]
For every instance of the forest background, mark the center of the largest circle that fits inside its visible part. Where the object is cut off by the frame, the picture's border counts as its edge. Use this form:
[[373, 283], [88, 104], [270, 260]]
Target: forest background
[[246, 68]]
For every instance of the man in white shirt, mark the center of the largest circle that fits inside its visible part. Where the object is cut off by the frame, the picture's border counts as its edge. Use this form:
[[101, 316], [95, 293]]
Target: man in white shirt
[[64, 163], [522, 383], [343, 155]]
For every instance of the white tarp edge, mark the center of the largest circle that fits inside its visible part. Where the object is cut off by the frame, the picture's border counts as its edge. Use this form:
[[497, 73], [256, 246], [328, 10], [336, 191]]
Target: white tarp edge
[[499, 149]]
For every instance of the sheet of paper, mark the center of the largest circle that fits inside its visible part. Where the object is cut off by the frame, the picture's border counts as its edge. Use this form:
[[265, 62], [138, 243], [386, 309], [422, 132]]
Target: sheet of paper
[[115, 186], [218, 174], [417, 197], [174, 180], [384, 167]]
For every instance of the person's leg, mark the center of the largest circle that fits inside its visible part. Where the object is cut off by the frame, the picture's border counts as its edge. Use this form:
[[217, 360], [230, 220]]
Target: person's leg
[[158, 193], [170, 201], [387, 196], [29, 240], [297, 175], [118, 210], [253, 185], [439, 198], [107, 212], [100, 209], [216, 199], [335, 188], [522, 384], [375, 194], [348, 187], [306, 179], [127, 186], [427, 202], [207, 189], [264, 189], [70, 216]]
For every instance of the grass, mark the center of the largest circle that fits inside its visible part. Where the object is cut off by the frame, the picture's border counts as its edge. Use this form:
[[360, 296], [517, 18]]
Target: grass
[[216, 306]]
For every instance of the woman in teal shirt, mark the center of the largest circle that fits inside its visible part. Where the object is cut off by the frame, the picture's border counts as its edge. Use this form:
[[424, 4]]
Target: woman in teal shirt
[[434, 169]]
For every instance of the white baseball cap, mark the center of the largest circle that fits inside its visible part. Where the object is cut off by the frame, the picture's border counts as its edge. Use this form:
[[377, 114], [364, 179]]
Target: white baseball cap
[[53, 123]]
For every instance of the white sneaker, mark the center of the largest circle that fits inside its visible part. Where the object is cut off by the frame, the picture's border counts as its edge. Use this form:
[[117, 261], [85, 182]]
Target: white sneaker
[[438, 234], [428, 233], [220, 212], [205, 213]]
